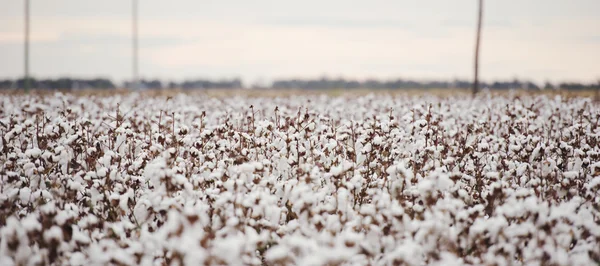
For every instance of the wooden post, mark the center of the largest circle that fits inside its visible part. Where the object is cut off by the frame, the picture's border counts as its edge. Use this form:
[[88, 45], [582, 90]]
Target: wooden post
[[26, 82], [134, 47], [597, 96], [477, 40]]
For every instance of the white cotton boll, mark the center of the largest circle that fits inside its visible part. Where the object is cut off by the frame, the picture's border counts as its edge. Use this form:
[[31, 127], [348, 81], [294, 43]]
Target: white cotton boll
[[246, 168], [95, 196], [367, 210], [258, 131], [571, 174], [179, 180], [7, 261], [331, 144], [336, 170], [46, 195], [483, 145], [24, 253], [377, 140], [492, 175], [531, 204], [79, 236], [391, 170], [121, 256], [70, 139], [276, 253], [123, 202], [367, 148], [515, 147], [273, 214], [47, 155], [418, 208], [54, 233], [255, 212], [155, 170], [29, 169], [350, 186], [31, 223], [75, 185], [594, 183], [425, 187], [33, 153], [342, 198], [229, 184], [90, 175], [522, 169], [595, 167], [229, 249], [77, 258], [120, 143], [470, 140], [25, 195], [535, 153], [496, 224], [577, 165], [448, 259], [420, 123], [101, 172], [258, 166], [12, 155], [233, 221], [408, 251], [463, 194], [62, 217], [444, 182], [547, 168], [141, 211], [561, 257]]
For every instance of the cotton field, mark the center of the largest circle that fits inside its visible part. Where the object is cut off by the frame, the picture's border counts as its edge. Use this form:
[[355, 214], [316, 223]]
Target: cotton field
[[379, 179]]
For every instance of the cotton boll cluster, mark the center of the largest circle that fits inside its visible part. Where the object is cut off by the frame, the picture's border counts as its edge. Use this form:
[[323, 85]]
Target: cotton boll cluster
[[311, 180]]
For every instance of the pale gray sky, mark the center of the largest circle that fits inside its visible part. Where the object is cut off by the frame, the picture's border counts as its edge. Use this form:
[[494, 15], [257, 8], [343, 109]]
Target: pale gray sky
[[555, 40]]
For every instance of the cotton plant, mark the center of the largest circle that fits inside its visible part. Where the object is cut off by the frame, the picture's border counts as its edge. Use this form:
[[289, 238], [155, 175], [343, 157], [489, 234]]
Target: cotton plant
[[310, 180]]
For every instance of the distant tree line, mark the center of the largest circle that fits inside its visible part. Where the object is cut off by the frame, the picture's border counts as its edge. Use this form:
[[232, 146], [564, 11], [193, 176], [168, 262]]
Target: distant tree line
[[325, 83], [188, 84], [304, 84], [61, 83], [102, 83]]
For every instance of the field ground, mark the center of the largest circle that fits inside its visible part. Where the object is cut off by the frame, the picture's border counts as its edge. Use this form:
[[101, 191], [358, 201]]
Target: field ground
[[299, 178]]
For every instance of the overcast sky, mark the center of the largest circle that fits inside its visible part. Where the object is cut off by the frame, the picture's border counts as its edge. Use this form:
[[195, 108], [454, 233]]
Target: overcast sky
[[259, 40]]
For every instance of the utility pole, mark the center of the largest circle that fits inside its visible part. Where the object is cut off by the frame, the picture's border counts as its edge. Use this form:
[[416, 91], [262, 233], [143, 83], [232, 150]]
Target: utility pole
[[134, 14], [597, 96], [26, 55], [477, 40]]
